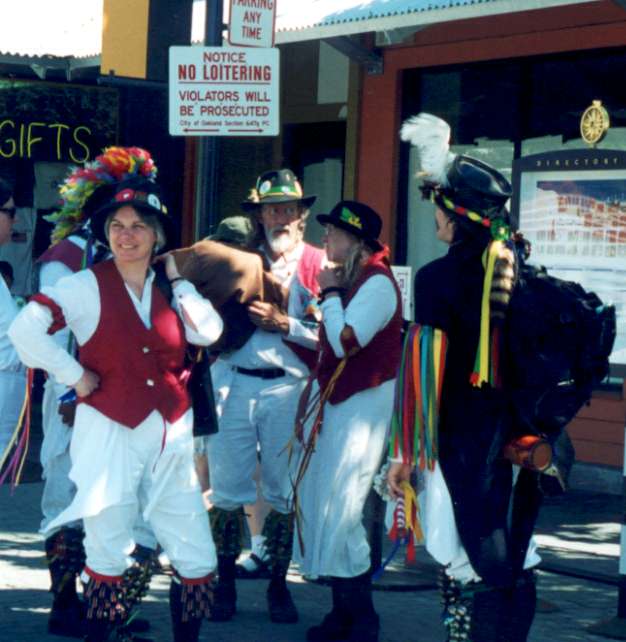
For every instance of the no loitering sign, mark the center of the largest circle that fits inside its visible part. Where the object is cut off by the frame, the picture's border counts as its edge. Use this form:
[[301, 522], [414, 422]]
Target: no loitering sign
[[220, 91]]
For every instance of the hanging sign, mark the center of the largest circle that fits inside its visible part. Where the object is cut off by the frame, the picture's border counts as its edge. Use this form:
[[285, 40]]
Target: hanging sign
[[252, 23]]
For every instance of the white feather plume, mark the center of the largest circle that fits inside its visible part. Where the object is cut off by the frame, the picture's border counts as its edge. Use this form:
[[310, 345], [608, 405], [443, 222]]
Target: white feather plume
[[431, 136]]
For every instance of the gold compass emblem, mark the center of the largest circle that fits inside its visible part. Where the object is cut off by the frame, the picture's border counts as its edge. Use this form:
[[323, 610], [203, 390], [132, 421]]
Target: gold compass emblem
[[594, 123]]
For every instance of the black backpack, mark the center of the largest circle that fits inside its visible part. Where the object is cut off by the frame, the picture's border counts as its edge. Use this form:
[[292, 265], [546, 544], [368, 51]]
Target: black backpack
[[559, 341]]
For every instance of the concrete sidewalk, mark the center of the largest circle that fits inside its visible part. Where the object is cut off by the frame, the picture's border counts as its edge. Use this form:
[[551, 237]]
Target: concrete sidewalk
[[579, 534]]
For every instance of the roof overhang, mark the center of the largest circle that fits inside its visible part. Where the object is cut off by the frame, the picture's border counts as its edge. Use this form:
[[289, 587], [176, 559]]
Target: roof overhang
[[378, 16], [50, 67]]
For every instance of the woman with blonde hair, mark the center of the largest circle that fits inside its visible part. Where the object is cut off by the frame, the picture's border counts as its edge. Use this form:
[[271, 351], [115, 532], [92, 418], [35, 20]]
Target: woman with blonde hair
[[344, 429]]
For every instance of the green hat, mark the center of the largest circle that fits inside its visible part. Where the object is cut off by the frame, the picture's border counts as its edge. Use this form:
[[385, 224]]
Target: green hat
[[233, 229], [276, 186]]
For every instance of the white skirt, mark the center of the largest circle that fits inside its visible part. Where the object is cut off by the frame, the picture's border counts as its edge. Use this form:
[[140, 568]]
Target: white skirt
[[335, 486]]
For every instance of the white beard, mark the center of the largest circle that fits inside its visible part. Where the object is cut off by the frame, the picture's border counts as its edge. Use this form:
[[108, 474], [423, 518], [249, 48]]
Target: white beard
[[282, 242]]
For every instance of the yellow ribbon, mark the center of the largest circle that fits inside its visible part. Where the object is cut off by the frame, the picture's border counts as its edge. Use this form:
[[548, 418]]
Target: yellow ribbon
[[412, 516]]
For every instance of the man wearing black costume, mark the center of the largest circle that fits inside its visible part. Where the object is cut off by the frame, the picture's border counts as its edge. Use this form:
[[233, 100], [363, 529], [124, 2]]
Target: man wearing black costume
[[478, 511]]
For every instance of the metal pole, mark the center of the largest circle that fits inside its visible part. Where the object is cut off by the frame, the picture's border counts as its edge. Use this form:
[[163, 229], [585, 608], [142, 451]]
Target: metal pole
[[206, 207], [615, 627]]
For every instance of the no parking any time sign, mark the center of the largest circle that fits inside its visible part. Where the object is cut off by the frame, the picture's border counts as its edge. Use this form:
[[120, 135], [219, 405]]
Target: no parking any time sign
[[252, 23], [223, 91]]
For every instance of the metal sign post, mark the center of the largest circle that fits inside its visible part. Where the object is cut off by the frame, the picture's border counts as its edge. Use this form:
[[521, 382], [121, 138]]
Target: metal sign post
[[206, 202]]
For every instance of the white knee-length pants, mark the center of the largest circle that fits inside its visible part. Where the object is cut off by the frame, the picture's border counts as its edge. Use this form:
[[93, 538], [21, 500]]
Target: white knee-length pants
[[256, 411], [117, 472]]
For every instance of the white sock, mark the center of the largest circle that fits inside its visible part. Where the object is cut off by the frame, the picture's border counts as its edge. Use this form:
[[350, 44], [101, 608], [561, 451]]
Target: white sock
[[258, 546]]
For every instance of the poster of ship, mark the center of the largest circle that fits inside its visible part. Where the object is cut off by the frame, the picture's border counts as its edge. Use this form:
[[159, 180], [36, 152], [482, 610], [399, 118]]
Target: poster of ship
[[576, 223]]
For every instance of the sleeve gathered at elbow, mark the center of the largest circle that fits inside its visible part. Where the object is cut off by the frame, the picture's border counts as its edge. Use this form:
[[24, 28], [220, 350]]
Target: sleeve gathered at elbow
[[368, 312], [30, 334], [203, 324]]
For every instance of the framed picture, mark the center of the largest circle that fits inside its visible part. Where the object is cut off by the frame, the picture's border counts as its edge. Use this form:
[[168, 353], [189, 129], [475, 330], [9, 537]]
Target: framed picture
[[571, 206]]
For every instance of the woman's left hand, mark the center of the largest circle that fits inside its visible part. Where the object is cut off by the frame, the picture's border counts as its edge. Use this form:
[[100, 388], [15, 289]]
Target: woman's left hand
[[328, 278]]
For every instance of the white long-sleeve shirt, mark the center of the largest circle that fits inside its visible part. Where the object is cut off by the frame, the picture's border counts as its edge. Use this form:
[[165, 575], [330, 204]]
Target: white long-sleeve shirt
[[367, 313], [268, 349], [79, 299]]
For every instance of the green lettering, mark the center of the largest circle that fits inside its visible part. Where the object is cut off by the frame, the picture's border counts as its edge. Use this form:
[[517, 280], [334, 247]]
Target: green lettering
[[81, 143], [11, 141], [59, 127], [33, 139]]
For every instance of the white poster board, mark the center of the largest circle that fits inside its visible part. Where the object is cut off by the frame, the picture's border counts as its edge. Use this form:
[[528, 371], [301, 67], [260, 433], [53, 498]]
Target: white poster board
[[402, 274]]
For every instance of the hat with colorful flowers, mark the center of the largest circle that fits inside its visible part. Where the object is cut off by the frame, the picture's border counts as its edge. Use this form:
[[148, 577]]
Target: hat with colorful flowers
[[119, 176]]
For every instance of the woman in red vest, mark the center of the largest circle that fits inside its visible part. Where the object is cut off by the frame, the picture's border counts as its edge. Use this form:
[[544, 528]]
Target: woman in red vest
[[343, 444], [132, 444]]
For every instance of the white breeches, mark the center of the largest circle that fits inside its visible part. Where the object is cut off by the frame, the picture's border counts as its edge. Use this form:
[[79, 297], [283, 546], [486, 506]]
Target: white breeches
[[256, 411], [441, 536], [118, 473]]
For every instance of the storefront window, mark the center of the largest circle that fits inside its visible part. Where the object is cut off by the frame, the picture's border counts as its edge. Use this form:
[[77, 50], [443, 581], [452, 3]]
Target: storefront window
[[502, 110]]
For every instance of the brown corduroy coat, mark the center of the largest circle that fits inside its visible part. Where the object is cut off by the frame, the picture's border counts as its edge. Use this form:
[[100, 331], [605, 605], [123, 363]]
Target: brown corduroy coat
[[231, 277]]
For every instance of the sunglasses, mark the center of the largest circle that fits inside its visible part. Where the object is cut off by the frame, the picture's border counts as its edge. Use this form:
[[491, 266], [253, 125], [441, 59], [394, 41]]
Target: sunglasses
[[9, 210]]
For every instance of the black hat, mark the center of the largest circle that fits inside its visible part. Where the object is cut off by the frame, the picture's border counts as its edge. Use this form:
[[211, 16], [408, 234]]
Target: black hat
[[141, 193], [477, 187], [277, 186], [358, 219]]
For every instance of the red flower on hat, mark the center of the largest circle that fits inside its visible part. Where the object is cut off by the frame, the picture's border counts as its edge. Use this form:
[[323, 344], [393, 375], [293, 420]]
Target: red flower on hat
[[125, 195], [116, 161]]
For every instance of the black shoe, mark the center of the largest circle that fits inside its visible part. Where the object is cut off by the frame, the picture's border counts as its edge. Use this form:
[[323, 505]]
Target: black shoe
[[98, 630], [335, 626], [137, 625], [281, 608], [69, 621], [365, 629], [122, 634], [224, 603]]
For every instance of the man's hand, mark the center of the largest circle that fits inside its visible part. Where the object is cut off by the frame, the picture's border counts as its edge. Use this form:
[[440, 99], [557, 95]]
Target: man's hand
[[87, 383], [170, 266], [398, 473], [328, 277], [268, 317], [67, 410]]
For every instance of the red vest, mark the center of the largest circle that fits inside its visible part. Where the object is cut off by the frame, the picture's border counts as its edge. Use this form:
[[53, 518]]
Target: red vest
[[65, 252], [374, 364], [309, 267], [140, 370]]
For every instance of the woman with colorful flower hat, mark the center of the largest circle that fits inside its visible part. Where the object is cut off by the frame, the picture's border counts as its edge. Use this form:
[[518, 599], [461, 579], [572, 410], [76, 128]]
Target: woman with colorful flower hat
[[132, 444]]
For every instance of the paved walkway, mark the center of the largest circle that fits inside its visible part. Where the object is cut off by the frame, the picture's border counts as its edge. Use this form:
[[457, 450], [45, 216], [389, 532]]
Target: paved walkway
[[580, 534]]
